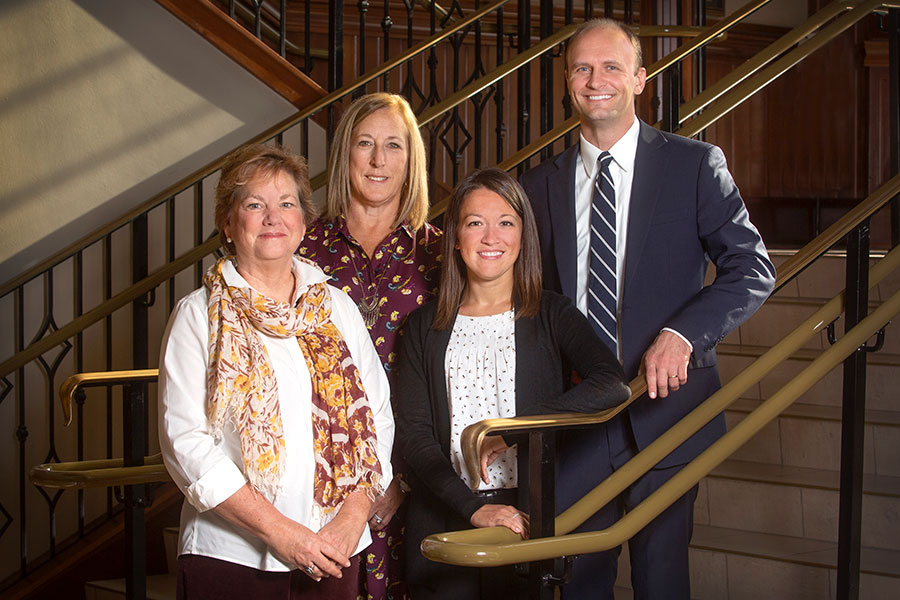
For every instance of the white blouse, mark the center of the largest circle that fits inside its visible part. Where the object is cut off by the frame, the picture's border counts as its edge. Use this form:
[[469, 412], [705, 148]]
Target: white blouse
[[210, 471], [480, 366]]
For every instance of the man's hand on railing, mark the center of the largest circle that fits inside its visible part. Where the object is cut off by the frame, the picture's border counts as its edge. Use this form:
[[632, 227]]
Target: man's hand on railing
[[664, 364]]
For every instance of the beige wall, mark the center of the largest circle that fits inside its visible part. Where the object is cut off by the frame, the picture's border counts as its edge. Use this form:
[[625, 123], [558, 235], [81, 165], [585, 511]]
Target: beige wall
[[102, 105]]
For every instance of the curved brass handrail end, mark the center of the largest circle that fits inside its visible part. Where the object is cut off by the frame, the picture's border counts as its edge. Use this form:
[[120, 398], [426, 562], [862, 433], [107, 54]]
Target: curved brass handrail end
[[98, 473], [78, 380], [473, 435], [471, 548]]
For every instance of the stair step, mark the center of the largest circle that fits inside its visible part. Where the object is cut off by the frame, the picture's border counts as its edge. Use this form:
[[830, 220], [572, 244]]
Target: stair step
[[801, 410], [742, 470], [731, 563], [810, 436], [803, 354], [159, 587]]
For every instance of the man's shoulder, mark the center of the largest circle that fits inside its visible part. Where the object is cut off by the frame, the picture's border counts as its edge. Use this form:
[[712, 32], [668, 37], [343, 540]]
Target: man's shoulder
[[679, 143], [548, 167]]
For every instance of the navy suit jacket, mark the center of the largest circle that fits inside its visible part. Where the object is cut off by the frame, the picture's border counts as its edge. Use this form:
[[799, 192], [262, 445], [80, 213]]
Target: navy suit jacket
[[685, 210]]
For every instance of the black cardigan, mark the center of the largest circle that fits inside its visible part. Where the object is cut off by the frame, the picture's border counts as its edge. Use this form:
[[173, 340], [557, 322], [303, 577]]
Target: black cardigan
[[559, 334]]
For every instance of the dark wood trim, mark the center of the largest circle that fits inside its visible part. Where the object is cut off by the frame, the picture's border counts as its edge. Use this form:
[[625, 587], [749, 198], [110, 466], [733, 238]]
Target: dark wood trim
[[242, 47]]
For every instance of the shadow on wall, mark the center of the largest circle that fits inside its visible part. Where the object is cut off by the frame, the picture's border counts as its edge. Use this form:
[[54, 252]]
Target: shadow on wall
[[111, 102]]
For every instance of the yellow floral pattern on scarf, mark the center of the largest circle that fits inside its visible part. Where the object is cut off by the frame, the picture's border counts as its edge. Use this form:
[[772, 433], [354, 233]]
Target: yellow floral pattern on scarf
[[242, 389]]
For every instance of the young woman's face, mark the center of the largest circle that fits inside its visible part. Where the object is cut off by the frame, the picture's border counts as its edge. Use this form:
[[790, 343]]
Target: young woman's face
[[489, 237]]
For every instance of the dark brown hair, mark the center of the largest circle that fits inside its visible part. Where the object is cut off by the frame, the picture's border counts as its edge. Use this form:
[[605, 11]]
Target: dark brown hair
[[604, 23], [254, 162], [527, 268]]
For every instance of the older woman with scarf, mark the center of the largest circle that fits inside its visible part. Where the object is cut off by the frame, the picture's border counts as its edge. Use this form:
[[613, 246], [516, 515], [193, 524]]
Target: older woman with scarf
[[274, 416]]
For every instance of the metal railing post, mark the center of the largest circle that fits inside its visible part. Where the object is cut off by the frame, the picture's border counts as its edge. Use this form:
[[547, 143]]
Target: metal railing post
[[135, 442], [856, 298], [540, 448], [523, 80], [893, 21]]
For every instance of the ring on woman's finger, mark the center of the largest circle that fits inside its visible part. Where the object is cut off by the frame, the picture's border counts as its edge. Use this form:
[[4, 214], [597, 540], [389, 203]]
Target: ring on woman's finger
[[310, 569], [377, 518], [673, 376]]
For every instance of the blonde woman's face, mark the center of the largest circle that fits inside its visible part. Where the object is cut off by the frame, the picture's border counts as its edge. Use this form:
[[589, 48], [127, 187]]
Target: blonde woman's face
[[379, 159]]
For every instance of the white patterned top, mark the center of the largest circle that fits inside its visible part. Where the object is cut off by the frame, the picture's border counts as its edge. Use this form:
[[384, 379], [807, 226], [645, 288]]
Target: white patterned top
[[481, 384]]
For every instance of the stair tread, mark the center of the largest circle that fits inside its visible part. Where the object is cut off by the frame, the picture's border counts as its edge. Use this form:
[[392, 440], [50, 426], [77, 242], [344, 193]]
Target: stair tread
[[820, 411], [159, 587], [805, 354], [803, 551], [881, 485]]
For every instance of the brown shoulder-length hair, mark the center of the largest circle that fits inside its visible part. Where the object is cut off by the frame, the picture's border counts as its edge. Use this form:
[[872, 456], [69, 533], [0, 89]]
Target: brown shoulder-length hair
[[527, 268], [254, 162], [414, 197]]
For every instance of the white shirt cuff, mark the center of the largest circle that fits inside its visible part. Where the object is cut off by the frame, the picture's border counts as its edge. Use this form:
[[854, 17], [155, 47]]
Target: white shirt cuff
[[216, 486], [686, 341]]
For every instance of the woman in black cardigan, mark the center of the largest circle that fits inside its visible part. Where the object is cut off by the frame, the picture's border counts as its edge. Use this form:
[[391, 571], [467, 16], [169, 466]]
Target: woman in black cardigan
[[493, 344]]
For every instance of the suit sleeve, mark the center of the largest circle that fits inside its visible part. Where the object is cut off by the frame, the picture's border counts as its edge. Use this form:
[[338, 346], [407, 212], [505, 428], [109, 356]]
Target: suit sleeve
[[744, 275], [602, 384], [418, 439]]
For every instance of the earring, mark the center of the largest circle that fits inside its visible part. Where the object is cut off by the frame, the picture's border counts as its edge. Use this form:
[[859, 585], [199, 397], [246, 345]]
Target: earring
[[228, 239]]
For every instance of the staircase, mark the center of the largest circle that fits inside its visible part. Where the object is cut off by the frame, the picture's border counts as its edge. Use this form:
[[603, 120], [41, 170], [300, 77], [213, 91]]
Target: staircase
[[159, 587], [766, 520]]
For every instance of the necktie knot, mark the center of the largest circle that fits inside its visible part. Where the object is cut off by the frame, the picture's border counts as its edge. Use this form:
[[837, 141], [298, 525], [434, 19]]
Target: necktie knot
[[604, 159]]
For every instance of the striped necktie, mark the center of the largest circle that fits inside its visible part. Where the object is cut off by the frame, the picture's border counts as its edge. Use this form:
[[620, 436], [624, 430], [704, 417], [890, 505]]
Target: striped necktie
[[602, 298]]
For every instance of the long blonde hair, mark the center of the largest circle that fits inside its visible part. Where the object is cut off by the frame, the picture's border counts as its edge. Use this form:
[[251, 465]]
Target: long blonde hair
[[414, 197]]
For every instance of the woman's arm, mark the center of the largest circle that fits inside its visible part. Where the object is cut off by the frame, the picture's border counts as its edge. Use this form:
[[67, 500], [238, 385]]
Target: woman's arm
[[200, 466], [417, 437], [602, 384], [294, 543]]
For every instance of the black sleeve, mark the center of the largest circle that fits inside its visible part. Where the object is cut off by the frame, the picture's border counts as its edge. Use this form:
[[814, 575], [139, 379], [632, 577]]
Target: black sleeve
[[415, 422], [602, 384]]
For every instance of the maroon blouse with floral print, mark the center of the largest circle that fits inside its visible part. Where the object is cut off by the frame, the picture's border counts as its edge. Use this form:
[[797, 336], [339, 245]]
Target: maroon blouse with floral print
[[403, 274]]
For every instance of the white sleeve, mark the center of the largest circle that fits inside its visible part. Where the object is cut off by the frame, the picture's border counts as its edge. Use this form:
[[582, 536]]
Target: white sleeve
[[375, 382], [198, 463]]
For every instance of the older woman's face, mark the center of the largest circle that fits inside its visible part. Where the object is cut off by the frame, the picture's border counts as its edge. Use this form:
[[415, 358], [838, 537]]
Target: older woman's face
[[268, 224], [379, 159]]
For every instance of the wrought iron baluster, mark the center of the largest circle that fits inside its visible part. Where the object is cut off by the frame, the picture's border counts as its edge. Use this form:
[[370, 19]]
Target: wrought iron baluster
[[523, 78], [198, 230], [386, 25], [363, 7], [500, 127], [335, 59], [78, 309], [107, 331], [282, 30], [546, 73], [21, 430], [170, 251]]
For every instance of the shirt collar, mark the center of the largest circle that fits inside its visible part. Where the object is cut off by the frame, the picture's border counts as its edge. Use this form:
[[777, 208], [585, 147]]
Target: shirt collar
[[341, 225], [623, 151], [306, 273]]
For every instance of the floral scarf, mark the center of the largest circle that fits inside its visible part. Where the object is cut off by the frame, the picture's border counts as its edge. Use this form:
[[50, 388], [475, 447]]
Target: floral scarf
[[242, 388]]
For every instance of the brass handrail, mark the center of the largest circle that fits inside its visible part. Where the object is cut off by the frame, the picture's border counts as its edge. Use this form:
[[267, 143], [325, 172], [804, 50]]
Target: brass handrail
[[474, 434], [92, 379], [98, 473], [762, 58], [212, 167], [499, 546], [703, 38], [749, 87]]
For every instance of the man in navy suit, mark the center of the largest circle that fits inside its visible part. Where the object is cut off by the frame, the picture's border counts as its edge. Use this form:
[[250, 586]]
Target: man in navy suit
[[674, 207]]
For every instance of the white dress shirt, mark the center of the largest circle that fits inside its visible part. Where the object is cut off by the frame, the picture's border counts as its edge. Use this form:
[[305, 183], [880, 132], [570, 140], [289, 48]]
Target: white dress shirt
[[621, 169], [209, 471]]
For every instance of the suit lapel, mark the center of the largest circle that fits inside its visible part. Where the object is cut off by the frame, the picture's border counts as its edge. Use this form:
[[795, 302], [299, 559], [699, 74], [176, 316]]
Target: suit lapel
[[646, 187], [561, 195]]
